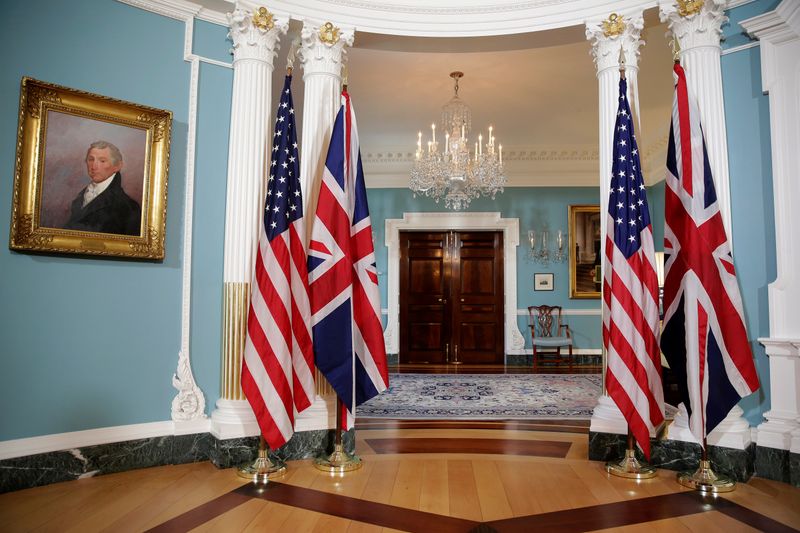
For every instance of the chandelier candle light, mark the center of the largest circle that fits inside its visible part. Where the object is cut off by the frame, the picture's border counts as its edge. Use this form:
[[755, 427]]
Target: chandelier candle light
[[455, 175]]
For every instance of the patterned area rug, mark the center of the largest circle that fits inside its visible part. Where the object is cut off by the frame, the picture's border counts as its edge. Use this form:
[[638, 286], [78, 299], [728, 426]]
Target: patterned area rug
[[488, 397]]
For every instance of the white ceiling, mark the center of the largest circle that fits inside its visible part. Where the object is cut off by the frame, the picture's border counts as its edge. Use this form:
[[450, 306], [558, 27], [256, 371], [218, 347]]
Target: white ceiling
[[539, 90]]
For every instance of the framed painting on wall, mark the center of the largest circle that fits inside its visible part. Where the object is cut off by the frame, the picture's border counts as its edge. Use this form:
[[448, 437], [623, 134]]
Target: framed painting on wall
[[91, 174], [543, 281], [584, 251]]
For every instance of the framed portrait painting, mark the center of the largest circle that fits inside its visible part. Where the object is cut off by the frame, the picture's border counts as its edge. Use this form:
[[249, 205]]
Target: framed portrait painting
[[91, 174]]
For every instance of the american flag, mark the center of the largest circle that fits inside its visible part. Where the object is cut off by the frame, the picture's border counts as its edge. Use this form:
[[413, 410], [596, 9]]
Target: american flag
[[704, 337], [343, 280], [277, 369], [630, 289]]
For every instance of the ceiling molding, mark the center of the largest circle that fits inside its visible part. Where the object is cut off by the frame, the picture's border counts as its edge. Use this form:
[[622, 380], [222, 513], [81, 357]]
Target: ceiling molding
[[448, 18]]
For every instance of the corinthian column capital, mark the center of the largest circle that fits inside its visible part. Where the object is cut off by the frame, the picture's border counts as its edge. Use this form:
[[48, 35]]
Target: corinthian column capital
[[255, 34], [615, 32], [695, 23], [324, 47]]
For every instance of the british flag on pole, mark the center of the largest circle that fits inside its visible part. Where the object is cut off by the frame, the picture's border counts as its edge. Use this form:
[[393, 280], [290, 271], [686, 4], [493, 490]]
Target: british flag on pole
[[277, 367], [630, 289], [704, 337], [343, 281]]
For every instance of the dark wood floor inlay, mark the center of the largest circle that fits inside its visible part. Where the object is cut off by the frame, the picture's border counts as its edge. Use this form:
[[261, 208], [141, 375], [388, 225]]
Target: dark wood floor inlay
[[202, 513], [538, 448], [618, 514], [356, 509], [636, 511]]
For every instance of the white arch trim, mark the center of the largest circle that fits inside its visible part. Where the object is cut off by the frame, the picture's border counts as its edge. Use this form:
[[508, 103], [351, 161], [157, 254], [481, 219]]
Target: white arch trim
[[514, 342]]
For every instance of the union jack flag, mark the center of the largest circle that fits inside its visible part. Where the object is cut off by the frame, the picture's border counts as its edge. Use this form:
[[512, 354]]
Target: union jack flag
[[343, 280], [704, 337], [630, 289], [277, 368]]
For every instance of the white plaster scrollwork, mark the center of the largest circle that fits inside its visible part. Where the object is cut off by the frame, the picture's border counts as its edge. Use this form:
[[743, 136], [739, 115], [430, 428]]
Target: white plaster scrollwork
[[324, 57], [251, 41], [605, 49], [190, 403], [703, 28]]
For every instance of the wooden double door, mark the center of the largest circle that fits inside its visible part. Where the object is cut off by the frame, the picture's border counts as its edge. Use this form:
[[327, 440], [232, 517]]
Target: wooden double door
[[451, 297]]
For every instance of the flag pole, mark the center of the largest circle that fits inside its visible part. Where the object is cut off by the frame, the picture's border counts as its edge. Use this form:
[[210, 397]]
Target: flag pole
[[704, 478], [629, 467], [263, 468], [339, 461]]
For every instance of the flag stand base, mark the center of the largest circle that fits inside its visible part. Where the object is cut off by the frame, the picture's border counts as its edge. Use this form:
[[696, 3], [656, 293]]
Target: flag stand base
[[630, 467], [705, 480], [338, 462], [263, 468]]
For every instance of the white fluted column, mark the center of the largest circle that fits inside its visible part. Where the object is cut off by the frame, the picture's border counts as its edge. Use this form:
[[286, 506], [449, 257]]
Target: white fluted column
[[255, 42], [779, 33], [322, 62], [698, 35], [322, 54], [608, 37]]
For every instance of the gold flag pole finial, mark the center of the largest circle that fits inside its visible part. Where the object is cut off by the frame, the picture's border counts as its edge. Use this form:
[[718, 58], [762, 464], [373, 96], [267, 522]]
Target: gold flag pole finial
[[291, 57], [621, 63], [344, 77], [676, 49]]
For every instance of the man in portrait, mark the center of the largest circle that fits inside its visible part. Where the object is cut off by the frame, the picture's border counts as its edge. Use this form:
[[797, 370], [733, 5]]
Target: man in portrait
[[103, 205]]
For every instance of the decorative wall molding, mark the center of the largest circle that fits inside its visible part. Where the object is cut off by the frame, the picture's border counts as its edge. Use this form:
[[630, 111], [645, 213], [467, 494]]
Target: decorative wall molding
[[179, 9], [739, 48], [514, 342], [779, 34], [526, 166], [91, 437]]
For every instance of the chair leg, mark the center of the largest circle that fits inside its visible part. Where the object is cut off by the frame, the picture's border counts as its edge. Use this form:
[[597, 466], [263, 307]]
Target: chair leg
[[570, 358], [534, 358]]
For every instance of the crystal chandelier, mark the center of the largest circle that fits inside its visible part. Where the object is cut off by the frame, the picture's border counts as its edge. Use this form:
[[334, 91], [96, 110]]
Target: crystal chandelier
[[454, 174]]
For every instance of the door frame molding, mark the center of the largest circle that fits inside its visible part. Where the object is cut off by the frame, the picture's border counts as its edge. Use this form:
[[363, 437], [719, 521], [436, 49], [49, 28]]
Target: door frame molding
[[514, 342]]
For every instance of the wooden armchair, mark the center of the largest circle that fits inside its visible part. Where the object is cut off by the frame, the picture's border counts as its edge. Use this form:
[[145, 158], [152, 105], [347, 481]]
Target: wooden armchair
[[549, 335]]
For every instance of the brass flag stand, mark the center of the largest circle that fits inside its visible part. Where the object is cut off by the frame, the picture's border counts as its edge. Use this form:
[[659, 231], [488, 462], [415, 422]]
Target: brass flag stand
[[339, 461], [263, 468], [704, 479], [630, 467]]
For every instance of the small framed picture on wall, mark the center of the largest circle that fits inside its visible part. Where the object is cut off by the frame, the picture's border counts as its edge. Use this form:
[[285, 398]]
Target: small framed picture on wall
[[543, 281]]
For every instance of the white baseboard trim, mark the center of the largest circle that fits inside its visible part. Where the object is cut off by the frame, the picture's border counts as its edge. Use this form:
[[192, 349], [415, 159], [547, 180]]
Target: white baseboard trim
[[10, 449]]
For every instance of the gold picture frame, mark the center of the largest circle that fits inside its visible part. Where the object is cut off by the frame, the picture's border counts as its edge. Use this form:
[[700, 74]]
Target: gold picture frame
[[68, 139], [584, 251]]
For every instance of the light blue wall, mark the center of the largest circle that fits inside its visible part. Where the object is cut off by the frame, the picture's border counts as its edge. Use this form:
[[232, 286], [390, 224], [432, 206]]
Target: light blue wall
[[749, 158], [90, 342]]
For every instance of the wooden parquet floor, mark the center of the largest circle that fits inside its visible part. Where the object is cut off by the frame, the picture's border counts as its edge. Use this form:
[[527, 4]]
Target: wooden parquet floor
[[443, 477]]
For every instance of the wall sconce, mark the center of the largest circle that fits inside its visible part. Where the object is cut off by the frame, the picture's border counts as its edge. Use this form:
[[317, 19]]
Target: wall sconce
[[541, 250]]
